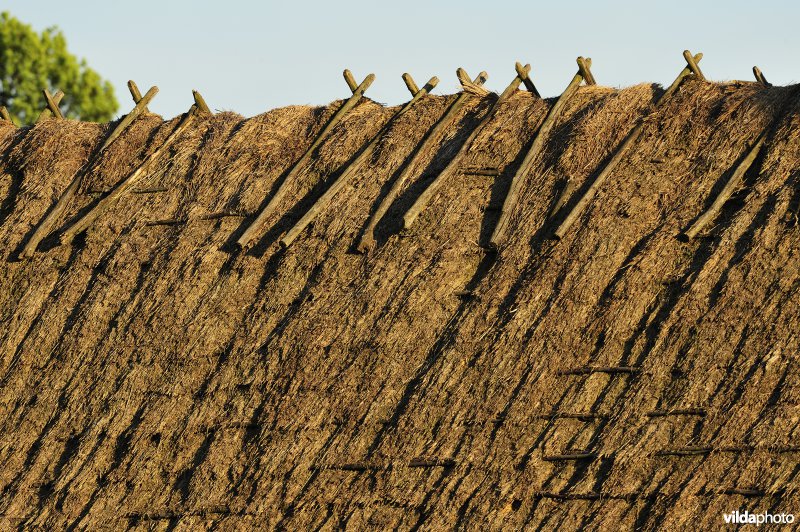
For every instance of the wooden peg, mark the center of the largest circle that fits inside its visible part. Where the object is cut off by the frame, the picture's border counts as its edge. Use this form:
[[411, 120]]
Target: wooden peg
[[684, 451], [351, 81], [675, 84], [46, 113], [515, 83], [693, 64], [137, 110], [5, 115], [432, 462], [53, 106], [524, 73], [201, 103], [610, 370], [677, 412], [760, 77], [135, 94], [249, 234], [433, 136], [583, 455], [412, 87], [585, 69]]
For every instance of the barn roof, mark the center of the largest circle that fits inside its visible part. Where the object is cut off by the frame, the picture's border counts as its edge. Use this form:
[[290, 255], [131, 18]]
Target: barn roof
[[151, 370]]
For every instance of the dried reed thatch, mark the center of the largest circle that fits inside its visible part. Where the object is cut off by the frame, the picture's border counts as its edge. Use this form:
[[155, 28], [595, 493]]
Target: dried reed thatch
[[151, 375]]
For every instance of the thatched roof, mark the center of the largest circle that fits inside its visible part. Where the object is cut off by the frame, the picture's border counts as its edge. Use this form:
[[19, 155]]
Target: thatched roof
[[153, 375]]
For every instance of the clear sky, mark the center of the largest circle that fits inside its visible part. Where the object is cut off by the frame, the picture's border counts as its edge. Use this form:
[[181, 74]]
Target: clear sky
[[250, 56]]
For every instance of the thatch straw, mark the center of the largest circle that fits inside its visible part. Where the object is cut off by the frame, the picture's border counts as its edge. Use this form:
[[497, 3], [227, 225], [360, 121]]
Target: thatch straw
[[149, 374]]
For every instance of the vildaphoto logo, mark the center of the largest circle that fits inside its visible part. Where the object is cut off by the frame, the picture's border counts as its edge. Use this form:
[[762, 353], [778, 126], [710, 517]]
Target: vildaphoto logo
[[747, 518]]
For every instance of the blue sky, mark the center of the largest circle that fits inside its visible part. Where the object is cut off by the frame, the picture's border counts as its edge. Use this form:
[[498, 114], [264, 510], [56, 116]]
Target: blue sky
[[251, 56]]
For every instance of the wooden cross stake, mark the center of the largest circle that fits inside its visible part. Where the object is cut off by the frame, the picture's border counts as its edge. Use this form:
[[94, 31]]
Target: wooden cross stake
[[522, 72], [354, 167], [53, 106], [433, 135], [43, 229], [427, 195], [585, 70], [522, 75], [249, 235], [46, 113], [583, 74], [416, 92], [472, 87], [693, 64], [622, 151], [137, 110], [106, 202]]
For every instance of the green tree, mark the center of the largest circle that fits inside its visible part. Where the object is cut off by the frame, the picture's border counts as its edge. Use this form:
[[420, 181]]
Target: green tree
[[30, 62]]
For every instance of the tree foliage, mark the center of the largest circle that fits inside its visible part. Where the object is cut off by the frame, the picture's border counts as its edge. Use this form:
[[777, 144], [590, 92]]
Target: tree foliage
[[30, 62]]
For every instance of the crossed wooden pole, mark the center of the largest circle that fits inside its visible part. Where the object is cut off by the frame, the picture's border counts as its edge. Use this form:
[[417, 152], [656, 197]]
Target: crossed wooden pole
[[126, 184], [250, 234], [734, 181], [51, 104], [46, 224], [433, 136], [53, 100], [691, 69], [512, 198], [427, 195], [365, 155], [102, 206]]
